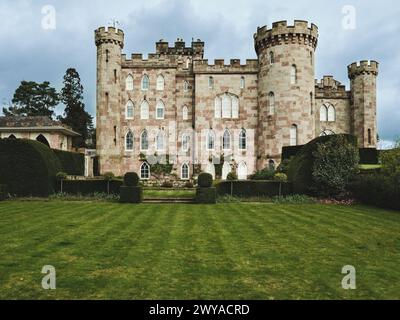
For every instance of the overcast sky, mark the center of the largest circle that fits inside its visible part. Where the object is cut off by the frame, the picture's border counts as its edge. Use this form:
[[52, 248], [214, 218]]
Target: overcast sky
[[29, 52]]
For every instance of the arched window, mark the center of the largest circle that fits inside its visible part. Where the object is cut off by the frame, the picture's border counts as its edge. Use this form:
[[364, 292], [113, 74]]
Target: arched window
[[144, 171], [210, 140], [242, 171], [41, 138], [144, 110], [211, 169], [218, 108], [226, 169], [185, 86], [327, 133], [293, 74], [226, 107], [160, 110], [311, 58], [144, 141], [242, 140], [129, 112], [145, 82], [129, 83], [11, 136], [271, 103], [271, 58], [242, 83], [211, 82], [293, 135], [369, 136], [311, 103], [160, 143], [129, 141], [271, 165], [331, 113], [187, 63], [226, 140], [185, 113], [185, 171], [185, 142], [160, 83], [235, 107], [323, 113]]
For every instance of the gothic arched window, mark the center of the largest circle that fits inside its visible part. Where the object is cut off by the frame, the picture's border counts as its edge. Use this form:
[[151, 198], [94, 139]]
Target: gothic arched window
[[144, 171], [243, 140], [226, 140], [144, 110], [145, 82], [129, 141], [129, 83], [293, 135], [160, 110], [129, 112], [185, 171], [293, 74], [271, 103], [160, 83], [144, 141]]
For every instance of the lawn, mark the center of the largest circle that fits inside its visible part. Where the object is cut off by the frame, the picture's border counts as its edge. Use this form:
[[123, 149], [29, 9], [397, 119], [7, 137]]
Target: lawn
[[165, 193], [226, 251]]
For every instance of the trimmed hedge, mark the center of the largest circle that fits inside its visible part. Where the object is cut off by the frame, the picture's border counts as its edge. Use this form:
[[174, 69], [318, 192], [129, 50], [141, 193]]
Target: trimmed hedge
[[72, 163], [290, 151], [28, 167], [369, 156], [131, 179], [301, 166], [205, 180], [87, 187], [131, 194], [254, 188], [377, 190], [3, 192], [206, 195]]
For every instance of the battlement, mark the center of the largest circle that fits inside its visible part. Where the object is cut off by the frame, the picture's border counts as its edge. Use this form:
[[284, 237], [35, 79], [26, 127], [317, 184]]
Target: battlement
[[179, 48], [109, 35], [219, 66], [363, 67], [281, 32], [329, 83]]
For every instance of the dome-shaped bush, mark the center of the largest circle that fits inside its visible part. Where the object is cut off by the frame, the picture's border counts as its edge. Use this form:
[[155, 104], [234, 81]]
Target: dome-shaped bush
[[131, 179], [205, 180]]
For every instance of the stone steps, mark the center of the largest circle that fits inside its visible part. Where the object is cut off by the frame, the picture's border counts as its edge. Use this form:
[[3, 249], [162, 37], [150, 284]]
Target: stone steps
[[168, 200]]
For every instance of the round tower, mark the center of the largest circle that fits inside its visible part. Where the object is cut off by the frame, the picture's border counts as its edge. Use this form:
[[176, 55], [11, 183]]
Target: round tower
[[363, 78], [286, 87], [109, 42]]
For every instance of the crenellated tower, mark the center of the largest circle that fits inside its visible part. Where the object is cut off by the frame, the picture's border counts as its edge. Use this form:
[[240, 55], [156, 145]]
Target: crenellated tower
[[286, 87], [363, 78], [109, 42]]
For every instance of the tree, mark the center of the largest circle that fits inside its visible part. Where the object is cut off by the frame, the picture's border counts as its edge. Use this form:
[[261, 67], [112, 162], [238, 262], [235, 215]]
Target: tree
[[75, 115], [33, 99]]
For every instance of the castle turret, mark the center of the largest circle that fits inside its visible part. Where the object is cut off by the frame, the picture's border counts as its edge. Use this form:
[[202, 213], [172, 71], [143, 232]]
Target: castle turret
[[286, 87], [109, 44], [363, 101]]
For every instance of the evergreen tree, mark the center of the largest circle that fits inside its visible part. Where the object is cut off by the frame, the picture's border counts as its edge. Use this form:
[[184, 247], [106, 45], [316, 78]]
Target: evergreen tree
[[75, 115], [33, 99]]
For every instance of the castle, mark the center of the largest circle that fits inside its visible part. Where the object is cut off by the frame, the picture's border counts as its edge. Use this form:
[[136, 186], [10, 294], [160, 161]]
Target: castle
[[237, 116]]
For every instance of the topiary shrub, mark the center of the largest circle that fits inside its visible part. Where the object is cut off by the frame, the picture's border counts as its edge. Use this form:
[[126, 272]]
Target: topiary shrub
[[378, 190], [131, 179], [325, 166], [130, 194], [3, 192], [28, 167], [205, 180], [72, 163], [206, 195]]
